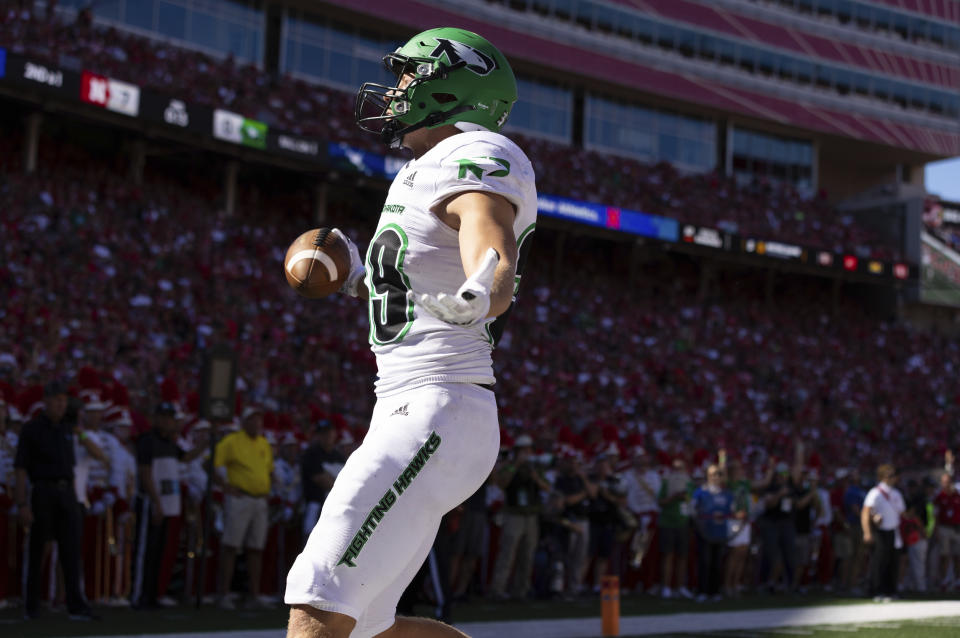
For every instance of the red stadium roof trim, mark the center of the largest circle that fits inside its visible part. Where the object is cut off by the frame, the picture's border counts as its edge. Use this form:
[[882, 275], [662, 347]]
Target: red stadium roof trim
[[764, 33], [847, 54], [624, 73], [732, 20], [947, 9], [805, 48], [835, 121], [745, 102], [902, 137]]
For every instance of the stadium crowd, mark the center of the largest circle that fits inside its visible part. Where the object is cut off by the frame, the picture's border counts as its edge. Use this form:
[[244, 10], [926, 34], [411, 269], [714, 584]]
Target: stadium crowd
[[544, 525], [654, 435], [694, 436], [761, 209]]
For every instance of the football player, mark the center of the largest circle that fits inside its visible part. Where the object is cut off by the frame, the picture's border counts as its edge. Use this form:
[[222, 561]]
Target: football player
[[440, 276]]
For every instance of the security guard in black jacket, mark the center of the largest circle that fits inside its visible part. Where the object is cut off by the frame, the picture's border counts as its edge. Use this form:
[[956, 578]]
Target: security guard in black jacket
[[45, 456]]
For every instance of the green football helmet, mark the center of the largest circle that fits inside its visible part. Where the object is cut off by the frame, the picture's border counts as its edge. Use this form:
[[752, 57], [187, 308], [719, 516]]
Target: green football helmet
[[457, 76]]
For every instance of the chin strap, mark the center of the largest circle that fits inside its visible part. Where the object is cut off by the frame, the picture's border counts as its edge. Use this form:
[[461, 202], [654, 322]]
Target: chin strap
[[392, 133], [466, 127]]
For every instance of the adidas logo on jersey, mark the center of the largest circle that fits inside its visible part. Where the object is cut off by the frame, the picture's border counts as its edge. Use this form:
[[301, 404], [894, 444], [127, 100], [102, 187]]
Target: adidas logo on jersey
[[408, 180], [401, 411]]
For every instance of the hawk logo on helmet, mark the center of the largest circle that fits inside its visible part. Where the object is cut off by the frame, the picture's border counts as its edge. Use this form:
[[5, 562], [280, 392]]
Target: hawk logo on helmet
[[474, 59]]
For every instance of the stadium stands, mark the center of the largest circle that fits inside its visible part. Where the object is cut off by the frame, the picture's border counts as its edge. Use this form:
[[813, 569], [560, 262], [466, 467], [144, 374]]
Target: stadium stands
[[761, 209], [166, 294]]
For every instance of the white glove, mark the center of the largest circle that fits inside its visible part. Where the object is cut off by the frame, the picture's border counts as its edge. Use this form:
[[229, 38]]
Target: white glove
[[357, 271], [471, 303]]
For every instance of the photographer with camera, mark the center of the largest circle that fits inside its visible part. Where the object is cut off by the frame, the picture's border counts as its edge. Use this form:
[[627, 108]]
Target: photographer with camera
[[577, 490], [674, 499], [523, 486], [608, 525], [806, 542]]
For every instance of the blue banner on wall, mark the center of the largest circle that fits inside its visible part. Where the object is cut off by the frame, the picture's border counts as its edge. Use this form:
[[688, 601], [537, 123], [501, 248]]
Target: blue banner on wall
[[576, 211], [3, 62], [628, 221], [367, 163], [654, 226]]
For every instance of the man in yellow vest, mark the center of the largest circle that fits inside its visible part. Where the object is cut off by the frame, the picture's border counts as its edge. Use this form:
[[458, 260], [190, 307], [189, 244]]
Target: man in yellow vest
[[244, 463]]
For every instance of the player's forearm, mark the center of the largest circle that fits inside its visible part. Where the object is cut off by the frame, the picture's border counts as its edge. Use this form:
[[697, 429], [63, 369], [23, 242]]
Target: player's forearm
[[487, 222], [472, 251]]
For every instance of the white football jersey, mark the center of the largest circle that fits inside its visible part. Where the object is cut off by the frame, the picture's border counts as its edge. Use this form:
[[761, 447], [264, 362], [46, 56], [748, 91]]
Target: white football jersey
[[413, 250]]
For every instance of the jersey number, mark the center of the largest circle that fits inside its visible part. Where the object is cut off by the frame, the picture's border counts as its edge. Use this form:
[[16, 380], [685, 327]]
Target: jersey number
[[390, 313]]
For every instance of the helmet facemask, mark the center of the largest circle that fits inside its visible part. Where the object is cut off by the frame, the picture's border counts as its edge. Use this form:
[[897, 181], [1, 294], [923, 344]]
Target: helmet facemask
[[386, 110]]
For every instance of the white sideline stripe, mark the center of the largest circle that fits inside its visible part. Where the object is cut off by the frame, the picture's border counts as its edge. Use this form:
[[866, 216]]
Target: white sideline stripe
[[717, 621], [319, 255], [667, 623]]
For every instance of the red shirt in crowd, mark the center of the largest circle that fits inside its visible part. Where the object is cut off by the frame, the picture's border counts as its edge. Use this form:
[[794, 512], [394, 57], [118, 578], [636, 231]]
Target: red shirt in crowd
[[948, 507]]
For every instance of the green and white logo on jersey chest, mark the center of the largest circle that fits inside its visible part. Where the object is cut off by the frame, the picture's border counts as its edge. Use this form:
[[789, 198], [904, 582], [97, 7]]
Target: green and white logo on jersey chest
[[474, 165]]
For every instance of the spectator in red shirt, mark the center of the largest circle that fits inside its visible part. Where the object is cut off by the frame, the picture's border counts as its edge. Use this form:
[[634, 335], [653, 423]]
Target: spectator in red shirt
[[947, 506], [915, 540]]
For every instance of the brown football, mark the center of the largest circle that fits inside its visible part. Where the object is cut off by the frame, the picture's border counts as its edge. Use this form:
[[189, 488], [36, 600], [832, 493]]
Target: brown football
[[317, 263]]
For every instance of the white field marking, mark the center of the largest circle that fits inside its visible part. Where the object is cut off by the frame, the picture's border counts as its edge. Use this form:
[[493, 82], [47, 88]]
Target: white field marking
[[850, 629], [760, 619], [317, 254], [704, 623]]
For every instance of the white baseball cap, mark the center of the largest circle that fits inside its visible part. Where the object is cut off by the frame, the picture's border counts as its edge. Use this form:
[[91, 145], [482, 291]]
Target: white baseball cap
[[523, 440], [249, 411]]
